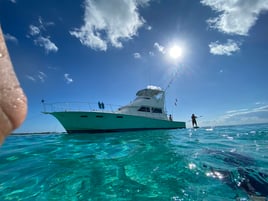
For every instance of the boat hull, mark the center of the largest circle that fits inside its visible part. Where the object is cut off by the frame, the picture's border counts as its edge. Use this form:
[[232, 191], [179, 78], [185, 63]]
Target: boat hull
[[98, 122]]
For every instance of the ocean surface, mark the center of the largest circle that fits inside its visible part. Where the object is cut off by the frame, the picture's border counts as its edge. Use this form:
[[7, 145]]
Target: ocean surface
[[220, 163]]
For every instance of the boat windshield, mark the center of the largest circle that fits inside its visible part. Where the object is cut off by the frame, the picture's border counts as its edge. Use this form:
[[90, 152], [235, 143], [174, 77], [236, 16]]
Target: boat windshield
[[150, 93], [159, 96]]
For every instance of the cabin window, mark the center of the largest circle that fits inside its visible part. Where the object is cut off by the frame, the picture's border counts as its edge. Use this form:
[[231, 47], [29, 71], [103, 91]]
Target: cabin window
[[144, 109], [156, 110]]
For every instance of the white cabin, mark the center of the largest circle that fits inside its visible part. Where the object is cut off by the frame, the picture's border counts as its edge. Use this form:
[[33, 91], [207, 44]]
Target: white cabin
[[149, 102]]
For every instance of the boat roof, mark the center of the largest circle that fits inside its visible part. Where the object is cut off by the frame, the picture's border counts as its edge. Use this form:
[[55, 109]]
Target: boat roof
[[149, 91]]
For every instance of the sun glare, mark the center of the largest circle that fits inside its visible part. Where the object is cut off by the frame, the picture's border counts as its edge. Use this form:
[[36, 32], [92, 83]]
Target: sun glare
[[175, 52]]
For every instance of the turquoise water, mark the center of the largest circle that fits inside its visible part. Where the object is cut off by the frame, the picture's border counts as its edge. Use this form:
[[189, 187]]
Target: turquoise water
[[221, 163]]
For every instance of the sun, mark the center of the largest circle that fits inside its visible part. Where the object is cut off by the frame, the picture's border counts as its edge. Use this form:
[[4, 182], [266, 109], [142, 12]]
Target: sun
[[175, 52]]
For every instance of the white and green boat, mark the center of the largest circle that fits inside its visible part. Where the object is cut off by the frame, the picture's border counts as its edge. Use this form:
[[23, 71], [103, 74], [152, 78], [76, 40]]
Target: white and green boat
[[146, 112]]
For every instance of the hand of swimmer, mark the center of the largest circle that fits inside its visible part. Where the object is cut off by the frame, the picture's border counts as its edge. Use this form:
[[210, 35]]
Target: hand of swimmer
[[13, 102]]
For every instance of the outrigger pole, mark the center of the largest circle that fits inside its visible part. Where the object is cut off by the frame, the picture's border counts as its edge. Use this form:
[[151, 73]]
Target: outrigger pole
[[169, 84], [172, 79]]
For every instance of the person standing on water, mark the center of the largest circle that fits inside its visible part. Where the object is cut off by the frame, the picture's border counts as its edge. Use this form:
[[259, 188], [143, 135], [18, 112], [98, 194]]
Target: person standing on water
[[194, 123]]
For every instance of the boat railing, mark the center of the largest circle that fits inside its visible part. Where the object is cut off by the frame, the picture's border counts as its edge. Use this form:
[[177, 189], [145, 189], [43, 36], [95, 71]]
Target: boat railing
[[90, 107], [78, 107]]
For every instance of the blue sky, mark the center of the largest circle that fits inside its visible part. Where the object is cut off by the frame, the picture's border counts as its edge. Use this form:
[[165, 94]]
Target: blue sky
[[91, 50]]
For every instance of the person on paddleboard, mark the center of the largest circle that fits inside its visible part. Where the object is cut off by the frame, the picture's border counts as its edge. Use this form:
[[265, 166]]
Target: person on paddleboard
[[194, 123]]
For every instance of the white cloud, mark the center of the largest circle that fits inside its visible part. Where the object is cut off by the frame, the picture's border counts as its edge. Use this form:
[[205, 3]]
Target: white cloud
[[143, 2], [46, 43], [259, 103], [67, 78], [137, 55], [11, 38], [30, 78], [52, 67], [39, 76], [236, 111], [235, 16], [224, 49], [149, 28], [245, 116], [36, 33], [160, 48], [34, 30], [109, 22], [13, 1], [43, 24], [151, 53]]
